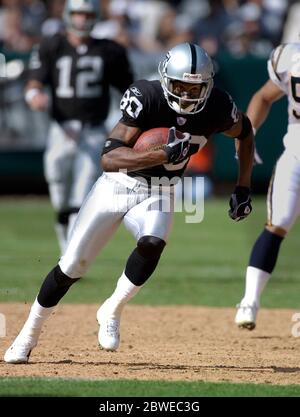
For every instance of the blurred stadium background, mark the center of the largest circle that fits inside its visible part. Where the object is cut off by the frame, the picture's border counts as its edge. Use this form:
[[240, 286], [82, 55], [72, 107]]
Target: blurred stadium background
[[238, 34]]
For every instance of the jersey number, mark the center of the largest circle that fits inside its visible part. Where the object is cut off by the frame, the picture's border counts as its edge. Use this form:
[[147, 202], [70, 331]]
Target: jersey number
[[89, 70], [131, 105], [295, 82]]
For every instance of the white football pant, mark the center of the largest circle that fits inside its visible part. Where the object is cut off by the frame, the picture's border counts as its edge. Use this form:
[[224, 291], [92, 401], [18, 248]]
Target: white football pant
[[72, 163], [114, 198], [284, 192]]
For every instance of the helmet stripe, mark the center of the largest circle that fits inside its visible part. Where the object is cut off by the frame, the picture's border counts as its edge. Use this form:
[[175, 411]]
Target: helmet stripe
[[194, 58]]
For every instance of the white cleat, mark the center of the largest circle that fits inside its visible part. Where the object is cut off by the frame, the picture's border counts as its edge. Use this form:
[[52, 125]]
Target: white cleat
[[20, 350], [246, 316], [109, 331]]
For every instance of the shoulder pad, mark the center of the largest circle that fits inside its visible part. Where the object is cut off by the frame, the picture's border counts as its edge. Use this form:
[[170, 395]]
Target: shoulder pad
[[283, 57]]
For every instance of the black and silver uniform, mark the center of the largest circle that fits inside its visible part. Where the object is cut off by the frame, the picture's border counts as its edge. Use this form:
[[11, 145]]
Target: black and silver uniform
[[79, 78], [144, 106]]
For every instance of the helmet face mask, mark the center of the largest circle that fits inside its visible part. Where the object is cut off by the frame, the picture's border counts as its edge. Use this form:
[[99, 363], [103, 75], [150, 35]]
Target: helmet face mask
[[81, 26], [188, 67]]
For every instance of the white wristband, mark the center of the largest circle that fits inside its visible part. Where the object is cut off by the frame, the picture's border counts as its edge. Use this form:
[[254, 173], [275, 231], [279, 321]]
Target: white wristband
[[32, 92], [254, 130]]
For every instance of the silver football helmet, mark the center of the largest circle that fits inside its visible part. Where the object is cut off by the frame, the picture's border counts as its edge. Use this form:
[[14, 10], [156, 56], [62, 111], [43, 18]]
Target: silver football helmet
[[92, 7], [192, 67]]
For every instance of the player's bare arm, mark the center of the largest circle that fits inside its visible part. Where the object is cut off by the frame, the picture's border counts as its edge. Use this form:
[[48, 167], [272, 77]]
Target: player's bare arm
[[244, 142], [261, 103], [124, 157]]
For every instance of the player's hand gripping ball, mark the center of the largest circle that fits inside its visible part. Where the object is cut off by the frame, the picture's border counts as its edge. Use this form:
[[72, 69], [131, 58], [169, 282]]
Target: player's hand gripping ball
[[175, 143]]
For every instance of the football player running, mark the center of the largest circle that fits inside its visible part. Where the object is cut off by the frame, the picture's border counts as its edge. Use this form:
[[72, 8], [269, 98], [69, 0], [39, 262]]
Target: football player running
[[77, 70], [283, 199], [184, 99]]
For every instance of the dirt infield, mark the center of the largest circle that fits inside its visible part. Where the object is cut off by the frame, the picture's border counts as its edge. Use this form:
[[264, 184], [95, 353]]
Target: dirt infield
[[165, 343]]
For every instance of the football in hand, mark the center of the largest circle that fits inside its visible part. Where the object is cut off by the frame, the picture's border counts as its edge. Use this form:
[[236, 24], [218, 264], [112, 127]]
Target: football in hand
[[154, 139]]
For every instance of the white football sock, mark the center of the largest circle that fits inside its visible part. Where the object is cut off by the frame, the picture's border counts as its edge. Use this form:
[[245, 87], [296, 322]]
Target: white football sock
[[256, 280], [124, 291], [37, 316]]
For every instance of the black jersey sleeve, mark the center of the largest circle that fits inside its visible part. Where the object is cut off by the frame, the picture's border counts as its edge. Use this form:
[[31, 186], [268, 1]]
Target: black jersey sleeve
[[227, 111], [136, 104], [120, 70], [39, 63]]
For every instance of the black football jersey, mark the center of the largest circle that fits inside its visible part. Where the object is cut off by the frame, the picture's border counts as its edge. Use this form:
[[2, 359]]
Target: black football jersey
[[144, 105], [79, 78]]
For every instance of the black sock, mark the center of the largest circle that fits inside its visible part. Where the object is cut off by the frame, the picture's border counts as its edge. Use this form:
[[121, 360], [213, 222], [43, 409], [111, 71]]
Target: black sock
[[54, 287], [265, 251]]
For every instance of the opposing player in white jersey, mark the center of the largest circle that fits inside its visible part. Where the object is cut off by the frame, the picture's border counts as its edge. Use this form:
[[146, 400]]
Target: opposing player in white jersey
[[78, 71], [283, 200], [184, 100]]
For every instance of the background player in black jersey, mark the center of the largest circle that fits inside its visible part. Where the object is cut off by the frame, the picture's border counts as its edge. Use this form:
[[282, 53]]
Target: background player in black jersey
[[78, 70], [186, 100]]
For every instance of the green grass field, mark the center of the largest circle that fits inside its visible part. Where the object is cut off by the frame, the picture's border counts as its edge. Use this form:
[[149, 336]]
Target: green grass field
[[203, 264], [47, 387]]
